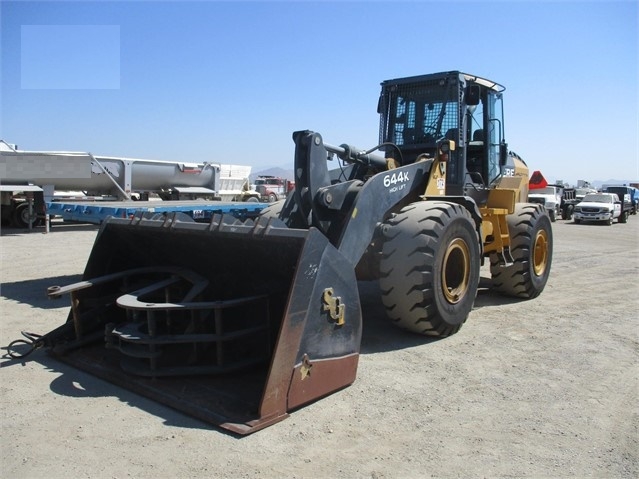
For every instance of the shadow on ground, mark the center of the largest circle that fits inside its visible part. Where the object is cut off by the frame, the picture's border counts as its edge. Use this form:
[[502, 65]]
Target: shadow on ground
[[379, 335], [56, 227], [34, 292]]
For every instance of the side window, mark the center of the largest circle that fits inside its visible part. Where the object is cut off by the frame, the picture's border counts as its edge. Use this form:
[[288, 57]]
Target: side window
[[477, 124], [495, 133]]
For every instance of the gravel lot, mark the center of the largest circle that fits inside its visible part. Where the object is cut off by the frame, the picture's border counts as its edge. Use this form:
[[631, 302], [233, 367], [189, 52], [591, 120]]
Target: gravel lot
[[540, 388]]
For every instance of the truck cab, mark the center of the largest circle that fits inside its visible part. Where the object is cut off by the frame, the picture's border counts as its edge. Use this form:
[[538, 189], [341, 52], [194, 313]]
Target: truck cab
[[550, 196], [272, 188]]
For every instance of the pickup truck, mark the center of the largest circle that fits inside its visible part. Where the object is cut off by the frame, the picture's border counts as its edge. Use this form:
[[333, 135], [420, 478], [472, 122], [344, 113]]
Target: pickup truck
[[599, 207]]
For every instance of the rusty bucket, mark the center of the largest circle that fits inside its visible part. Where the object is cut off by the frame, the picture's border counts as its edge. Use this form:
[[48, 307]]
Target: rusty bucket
[[234, 323]]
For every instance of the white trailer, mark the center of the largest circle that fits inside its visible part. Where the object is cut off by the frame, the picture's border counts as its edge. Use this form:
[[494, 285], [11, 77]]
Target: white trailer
[[234, 184]]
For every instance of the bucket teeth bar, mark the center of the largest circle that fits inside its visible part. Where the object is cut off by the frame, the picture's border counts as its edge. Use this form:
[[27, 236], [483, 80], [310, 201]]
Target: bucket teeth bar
[[187, 338], [168, 333]]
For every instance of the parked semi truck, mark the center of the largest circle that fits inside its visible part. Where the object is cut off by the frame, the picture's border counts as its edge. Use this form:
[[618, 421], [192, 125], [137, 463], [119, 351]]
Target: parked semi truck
[[273, 188], [239, 323]]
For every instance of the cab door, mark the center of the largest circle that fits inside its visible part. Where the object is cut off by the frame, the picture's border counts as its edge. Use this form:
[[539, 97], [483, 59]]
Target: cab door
[[495, 126], [617, 212]]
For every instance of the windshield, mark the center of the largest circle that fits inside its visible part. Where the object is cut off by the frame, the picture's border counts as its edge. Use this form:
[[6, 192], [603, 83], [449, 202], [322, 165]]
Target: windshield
[[598, 198], [549, 190], [420, 113], [416, 123]]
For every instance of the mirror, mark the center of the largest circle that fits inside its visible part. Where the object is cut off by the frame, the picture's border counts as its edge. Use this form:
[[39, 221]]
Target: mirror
[[503, 153], [472, 95]]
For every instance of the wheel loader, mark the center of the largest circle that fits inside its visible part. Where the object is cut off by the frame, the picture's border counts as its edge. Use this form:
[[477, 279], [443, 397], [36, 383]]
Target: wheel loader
[[240, 323]]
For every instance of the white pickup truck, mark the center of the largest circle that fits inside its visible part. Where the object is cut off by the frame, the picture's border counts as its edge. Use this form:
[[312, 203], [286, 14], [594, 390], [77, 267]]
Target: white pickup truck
[[598, 207]]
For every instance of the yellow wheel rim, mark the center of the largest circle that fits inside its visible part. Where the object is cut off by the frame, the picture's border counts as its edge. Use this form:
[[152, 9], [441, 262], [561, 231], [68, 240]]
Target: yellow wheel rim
[[456, 271], [540, 252]]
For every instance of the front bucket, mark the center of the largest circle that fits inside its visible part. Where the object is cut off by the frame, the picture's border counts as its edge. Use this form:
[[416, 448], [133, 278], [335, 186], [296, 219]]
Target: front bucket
[[234, 323]]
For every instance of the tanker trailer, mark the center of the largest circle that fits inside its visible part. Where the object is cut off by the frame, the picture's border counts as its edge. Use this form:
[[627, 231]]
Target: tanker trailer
[[97, 177]]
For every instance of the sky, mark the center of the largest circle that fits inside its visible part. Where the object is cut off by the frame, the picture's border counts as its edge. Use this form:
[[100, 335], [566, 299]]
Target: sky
[[229, 82]]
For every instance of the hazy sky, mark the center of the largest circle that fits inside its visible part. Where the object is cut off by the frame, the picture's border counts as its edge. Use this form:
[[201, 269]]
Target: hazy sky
[[229, 82]]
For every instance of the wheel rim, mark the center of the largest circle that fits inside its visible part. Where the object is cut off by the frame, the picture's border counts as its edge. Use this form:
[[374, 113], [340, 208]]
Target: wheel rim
[[24, 216], [456, 271], [540, 253]]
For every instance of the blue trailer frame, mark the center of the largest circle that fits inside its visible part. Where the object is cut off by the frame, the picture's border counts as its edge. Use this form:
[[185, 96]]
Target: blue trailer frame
[[98, 211]]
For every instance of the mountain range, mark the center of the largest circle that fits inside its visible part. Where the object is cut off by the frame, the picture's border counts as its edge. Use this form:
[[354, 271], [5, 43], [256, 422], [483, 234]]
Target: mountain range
[[289, 175], [274, 171]]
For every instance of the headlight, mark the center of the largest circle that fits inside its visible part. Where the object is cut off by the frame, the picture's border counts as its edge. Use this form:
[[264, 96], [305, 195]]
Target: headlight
[[577, 209]]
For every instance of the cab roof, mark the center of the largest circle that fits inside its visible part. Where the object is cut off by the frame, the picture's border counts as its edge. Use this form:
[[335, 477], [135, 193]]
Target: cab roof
[[433, 76]]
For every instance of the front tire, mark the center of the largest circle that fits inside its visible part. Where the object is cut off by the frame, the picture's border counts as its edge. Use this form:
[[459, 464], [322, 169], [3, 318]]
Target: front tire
[[429, 268], [531, 245], [273, 210]]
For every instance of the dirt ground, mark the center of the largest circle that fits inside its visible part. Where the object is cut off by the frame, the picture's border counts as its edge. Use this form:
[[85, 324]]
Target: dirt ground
[[540, 388]]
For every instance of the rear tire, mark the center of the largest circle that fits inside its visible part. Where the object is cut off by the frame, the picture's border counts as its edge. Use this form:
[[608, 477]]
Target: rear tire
[[429, 268], [531, 245], [21, 216], [624, 217], [567, 212]]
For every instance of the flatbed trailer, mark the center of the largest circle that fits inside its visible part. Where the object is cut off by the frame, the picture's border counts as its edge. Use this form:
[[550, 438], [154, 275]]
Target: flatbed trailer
[[202, 211]]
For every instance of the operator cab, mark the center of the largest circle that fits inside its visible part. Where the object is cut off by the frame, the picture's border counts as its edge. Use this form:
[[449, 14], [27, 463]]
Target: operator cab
[[418, 112]]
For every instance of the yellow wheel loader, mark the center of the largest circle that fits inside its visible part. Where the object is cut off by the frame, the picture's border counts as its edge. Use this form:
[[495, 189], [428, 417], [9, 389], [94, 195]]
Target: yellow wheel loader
[[239, 323]]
